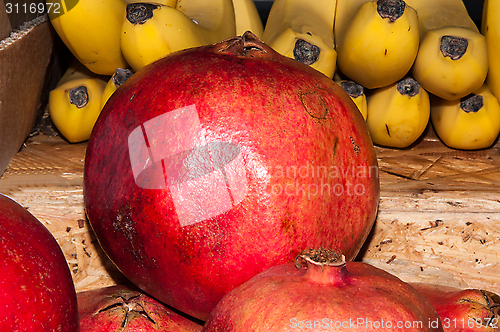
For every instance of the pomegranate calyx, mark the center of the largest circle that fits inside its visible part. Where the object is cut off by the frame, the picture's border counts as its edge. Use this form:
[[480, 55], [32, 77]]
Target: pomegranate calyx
[[131, 304], [321, 257], [246, 45], [493, 301]]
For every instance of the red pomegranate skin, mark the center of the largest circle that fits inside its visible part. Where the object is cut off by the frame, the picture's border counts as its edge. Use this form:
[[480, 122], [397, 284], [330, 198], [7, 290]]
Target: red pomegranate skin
[[36, 289], [122, 308], [463, 310], [281, 138], [353, 296]]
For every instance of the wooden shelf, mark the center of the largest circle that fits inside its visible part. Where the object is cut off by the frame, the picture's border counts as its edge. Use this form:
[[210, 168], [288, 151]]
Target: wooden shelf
[[438, 221]]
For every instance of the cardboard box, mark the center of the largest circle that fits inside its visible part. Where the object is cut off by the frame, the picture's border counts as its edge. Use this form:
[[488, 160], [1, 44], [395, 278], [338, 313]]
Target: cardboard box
[[28, 69]]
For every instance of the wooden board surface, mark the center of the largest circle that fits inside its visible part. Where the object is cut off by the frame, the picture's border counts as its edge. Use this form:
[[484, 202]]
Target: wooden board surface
[[438, 221]]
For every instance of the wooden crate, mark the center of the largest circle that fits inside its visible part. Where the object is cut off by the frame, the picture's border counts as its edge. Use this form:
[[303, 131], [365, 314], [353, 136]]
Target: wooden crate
[[438, 222]]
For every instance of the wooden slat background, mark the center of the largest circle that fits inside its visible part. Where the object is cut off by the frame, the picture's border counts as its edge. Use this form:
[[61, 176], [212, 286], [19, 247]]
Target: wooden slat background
[[438, 222]]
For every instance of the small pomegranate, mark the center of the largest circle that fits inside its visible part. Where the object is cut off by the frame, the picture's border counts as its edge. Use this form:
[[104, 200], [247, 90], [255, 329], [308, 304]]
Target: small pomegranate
[[122, 308], [36, 288], [463, 310], [324, 294], [215, 163]]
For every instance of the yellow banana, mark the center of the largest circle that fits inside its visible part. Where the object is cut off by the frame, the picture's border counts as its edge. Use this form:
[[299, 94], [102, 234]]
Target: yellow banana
[[247, 18], [470, 123], [357, 93], [303, 31], [91, 31], [398, 113], [380, 43], [435, 14], [490, 28], [216, 17], [150, 31], [118, 78], [346, 9], [452, 60], [76, 70], [75, 103]]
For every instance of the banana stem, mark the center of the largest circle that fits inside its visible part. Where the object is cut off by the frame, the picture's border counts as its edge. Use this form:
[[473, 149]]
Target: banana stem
[[139, 13], [453, 47], [79, 96], [306, 52], [408, 86], [352, 88], [121, 75], [391, 9], [471, 103]]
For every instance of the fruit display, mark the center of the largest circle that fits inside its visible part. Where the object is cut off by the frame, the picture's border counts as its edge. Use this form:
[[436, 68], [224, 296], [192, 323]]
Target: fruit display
[[371, 43], [228, 175], [204, 174]]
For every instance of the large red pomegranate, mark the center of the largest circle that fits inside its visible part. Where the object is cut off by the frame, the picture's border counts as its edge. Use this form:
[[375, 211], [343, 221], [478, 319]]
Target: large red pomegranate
[[36, 289], [463, 310], [121, 308], [215, 163], [322, 292]]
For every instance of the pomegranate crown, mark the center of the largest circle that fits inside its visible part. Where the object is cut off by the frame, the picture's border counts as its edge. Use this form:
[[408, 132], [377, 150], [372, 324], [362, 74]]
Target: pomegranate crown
[[320, 256]]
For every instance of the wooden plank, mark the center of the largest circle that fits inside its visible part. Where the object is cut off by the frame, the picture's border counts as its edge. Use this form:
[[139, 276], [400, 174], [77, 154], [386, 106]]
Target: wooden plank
[[46, 177], [438, 221]]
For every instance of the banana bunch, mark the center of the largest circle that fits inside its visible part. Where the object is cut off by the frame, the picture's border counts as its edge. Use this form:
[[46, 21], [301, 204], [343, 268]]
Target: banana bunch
[[75, 104], [302, 31], [449, 60], [357, 93], [469, 123], [152, 30], [111, 39], [452, 60], [398, 114], [379, 44], [434, 41], [111, 34]]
